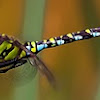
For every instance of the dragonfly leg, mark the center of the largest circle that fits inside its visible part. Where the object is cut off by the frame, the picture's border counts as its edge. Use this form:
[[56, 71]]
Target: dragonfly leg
[[17, 43], [6, 63], [18, 63]]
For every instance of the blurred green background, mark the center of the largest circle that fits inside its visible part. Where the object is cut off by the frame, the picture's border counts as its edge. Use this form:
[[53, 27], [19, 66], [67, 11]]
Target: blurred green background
[[17, 17], [75, 66]]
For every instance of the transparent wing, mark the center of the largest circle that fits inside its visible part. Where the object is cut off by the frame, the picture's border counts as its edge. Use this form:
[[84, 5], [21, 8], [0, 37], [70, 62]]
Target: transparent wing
[[19, 76], [38, 64], [24, 74], [43, 69]]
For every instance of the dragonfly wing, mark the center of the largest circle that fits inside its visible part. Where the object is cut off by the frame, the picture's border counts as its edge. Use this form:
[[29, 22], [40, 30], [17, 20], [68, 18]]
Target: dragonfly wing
[[7, 65], [23, 74], [18, 75], [39, 64], [43, 69]]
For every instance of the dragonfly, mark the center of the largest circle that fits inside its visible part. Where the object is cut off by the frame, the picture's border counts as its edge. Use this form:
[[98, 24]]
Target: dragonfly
[[14, 54]]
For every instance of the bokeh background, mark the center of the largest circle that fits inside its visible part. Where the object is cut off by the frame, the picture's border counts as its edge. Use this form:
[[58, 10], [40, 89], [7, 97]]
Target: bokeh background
[[75, 66]]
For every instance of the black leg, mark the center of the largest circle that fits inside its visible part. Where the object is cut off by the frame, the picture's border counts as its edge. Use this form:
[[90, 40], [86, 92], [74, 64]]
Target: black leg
[[18, 44], [18, 63], [6, 63]]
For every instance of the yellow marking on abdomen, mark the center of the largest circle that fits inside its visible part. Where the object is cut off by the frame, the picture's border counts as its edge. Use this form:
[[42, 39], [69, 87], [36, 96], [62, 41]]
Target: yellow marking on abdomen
[[61, 36], [34, 46], [88, 31], [52, 40], [70, 35], [78, 32], [3, 34], [45, 41]]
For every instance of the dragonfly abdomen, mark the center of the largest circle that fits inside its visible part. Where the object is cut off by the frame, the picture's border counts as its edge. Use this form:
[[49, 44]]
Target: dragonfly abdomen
[[36, 46]]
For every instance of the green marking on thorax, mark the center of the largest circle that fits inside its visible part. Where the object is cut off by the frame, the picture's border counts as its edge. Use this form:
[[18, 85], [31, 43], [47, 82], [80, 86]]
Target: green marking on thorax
[[8, 46], [23, 54], [3, 46], [12, 54]]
